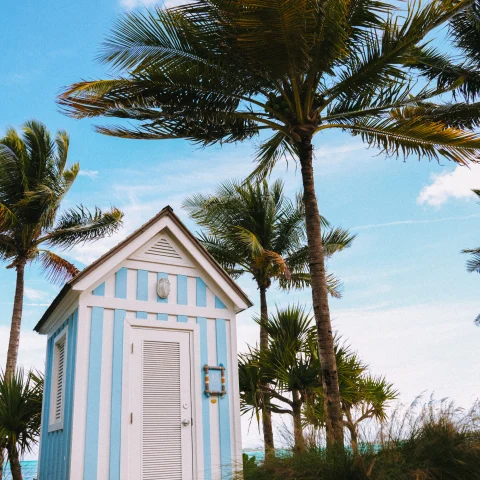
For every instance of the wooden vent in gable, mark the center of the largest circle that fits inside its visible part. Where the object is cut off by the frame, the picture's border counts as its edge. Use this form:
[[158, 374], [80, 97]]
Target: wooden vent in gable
[[162, 249]]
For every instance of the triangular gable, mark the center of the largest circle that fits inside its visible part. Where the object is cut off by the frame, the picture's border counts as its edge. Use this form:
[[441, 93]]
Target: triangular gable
[[145, 242]]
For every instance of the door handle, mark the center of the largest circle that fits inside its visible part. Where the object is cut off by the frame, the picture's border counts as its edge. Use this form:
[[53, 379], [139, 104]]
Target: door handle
[[185, 422]]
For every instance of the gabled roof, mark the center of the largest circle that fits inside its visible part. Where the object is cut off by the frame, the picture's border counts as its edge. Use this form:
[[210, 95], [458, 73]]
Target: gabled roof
[[167, 211]]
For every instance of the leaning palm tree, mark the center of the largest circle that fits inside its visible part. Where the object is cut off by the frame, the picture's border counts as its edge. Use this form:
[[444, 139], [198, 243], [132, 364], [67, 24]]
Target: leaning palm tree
[[20, 415], [226, 70], [473, 264], [34, 180], [252, 228]]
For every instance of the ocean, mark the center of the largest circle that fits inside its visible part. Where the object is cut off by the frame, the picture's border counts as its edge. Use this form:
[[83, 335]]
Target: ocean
[[29, 468]]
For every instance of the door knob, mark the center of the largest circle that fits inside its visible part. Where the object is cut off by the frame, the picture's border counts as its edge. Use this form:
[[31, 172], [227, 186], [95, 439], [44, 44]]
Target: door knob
[[185, 422]]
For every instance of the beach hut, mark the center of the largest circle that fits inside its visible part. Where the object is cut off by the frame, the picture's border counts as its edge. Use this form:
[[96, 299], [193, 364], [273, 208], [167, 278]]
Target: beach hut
[[141, 375]]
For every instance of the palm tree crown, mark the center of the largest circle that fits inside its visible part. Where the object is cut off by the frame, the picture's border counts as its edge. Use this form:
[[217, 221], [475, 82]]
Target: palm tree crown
[[34, 180], [253, 228]]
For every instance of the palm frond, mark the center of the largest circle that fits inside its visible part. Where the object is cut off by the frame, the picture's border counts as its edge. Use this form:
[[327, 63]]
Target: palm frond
[[473, 264], [56, 269], [80, 225], [406, 132]]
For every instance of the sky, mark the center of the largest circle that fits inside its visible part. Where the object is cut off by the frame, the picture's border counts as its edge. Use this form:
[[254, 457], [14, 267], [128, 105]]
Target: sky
[[408, 303]]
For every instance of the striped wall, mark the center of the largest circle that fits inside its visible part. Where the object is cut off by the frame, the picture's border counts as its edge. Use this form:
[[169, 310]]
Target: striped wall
[[103, 430], [55, 446]]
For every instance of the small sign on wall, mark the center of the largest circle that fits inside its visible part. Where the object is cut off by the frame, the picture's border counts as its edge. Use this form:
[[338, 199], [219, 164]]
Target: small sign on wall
[[215, 380]]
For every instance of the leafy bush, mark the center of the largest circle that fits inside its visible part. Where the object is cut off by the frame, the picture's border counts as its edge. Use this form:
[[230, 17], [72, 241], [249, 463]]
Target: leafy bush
[[433, 441]]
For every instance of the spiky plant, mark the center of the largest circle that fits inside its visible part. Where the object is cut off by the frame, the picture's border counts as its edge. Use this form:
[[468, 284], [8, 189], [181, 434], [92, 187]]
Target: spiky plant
[[34, 179], [20, 415], [226, 70]]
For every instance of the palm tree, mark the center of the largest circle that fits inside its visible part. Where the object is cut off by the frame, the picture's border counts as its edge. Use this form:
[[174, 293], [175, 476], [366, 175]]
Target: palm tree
[[20, 415], [291, 366], [252, 228], [224, 71], [473, 264], [34, 179]]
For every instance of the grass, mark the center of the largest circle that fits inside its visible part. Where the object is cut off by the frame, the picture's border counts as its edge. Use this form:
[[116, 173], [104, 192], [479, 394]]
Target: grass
[[432, 441]]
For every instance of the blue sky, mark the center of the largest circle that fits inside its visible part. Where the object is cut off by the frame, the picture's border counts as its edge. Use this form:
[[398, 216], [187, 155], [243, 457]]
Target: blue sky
[[408, 303]]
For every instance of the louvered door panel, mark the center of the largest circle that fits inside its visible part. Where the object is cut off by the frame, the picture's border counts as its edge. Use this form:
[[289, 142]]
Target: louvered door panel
[[162, 416], [161, 400]]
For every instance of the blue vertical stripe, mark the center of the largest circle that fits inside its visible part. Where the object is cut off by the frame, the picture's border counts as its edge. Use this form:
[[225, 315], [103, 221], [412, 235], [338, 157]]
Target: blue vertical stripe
[[219, 303], [182, 293], [142, 285], [116, 409], [159, 276], [223, 403], [121, 283], [142, 315], [100, 290], [182, 318], [201, 293], [93, 396], [207, 449], [55, 449], [162, 316]]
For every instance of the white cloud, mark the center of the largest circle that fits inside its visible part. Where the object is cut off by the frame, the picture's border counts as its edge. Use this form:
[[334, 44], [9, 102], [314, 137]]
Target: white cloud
[[457, 184], [132, 4], [413, 222], [92, 174], [34, 294], [32, 348]]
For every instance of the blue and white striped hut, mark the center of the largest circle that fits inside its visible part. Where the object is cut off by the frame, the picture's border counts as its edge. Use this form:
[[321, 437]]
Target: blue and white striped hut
[[141, 367]]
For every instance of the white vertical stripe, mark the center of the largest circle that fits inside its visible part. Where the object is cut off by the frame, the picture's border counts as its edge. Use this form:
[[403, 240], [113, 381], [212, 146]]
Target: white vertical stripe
[[105, 397], [172, 318], [192, 320], [152, 317], [126, 404], [214, 418], [80, 392], [110, 286], [152, 286], [191, 291], [131, 284], [172, 297], [210, 298]]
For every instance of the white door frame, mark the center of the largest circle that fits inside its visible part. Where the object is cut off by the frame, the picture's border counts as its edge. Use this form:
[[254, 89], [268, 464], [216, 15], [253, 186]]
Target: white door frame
[[196, 388]]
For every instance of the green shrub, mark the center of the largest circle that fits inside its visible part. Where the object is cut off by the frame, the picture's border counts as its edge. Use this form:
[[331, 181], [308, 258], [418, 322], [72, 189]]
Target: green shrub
[[435, 441]]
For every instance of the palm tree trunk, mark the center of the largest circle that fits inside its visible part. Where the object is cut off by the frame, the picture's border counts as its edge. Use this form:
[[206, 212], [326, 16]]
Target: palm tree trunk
[[298, 437], [15, 466], [316, 260], [266, 414], [14, 341]]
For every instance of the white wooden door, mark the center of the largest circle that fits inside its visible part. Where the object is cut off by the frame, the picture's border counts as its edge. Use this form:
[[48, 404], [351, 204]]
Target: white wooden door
[[160, 440]]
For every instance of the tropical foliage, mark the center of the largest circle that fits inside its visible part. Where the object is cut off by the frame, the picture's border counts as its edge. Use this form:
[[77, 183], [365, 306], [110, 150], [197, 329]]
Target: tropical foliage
[[224, 71], [473, 264], [20, 415], [428, 441], [34, 179], [253, 228], [289, 372]]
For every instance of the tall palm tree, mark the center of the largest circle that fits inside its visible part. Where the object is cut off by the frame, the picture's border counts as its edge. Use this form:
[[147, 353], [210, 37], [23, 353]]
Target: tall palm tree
[[473, 264], [20, 415], [34, 180], [252, 228], [226, 70]]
